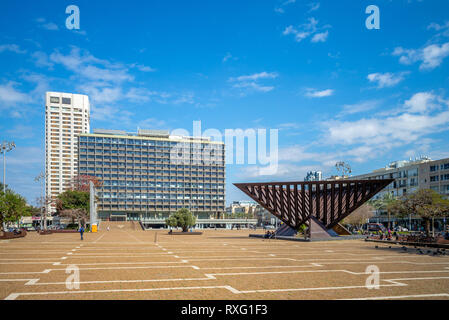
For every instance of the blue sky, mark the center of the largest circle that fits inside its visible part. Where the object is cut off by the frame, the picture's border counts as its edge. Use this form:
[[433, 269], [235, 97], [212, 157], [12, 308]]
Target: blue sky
[[334, 89]]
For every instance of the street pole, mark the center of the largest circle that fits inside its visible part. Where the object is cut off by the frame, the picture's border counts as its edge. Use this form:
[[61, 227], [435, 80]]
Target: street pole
[[5, 147], [41, 178], [4, 172]]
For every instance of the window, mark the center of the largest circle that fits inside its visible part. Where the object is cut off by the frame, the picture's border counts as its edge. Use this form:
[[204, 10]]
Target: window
[[433, 178], [66, 101], [54, 99], [433, 168]]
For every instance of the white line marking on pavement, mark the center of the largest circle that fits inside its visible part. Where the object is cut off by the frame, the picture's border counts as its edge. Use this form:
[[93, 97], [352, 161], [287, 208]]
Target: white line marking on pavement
[[24, 272], [124, 268], [208, 277], [31, 282], [314, 289], [97, 239], [14, 296], [13, 280], [403, 297]]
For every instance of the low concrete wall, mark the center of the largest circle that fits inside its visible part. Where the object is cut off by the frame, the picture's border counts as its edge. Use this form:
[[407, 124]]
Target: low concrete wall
[[180, 233], [353, 237], [11, 235]]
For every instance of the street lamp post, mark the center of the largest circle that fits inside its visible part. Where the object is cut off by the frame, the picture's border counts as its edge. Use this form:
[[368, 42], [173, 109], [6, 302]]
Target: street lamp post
[[41, 178], [5, 147]]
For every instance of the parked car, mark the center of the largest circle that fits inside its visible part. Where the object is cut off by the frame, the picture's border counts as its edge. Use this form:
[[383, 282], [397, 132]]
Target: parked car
[[376, 227]]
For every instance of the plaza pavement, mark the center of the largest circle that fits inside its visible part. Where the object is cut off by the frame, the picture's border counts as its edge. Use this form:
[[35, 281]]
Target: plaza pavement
[[219, 264]]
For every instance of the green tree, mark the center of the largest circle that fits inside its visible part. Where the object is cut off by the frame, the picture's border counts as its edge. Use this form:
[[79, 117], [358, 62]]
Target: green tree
[[427, 204], [385, 204], [12, 207], [182, 218], [74, 204]]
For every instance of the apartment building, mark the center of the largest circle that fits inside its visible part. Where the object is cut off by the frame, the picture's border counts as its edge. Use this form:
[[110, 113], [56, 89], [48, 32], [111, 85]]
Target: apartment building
[[149, 174], [411, 175], [243, 207], [314, 176], [66, 116]]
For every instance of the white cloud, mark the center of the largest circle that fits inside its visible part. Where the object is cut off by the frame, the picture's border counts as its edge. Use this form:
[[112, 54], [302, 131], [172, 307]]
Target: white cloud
[[227, 57], [251, 82], [283, 171], [50, 26], [11, 47], [100, 94], [444, 28], [142, 67], [279, 10], [383, 132], [358, 107], [256, 76], [320, 37], [430, 56], [307, 29], [314, 6], [421, 102], [42, 59], [152, 123], [47, 25], [21, 131], [313, 93], [10, 96], [283, 4], [386, 79], [253, 85]]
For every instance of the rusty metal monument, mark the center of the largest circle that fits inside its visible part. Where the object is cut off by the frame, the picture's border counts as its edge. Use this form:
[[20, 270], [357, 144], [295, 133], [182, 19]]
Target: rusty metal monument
[[320, 205]]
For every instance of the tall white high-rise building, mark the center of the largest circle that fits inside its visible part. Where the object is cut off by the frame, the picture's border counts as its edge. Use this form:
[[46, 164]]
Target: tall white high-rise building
[[66, 116]]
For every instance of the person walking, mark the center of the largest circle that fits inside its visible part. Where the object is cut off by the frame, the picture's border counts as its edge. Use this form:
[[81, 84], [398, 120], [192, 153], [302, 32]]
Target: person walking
[[81, 232]]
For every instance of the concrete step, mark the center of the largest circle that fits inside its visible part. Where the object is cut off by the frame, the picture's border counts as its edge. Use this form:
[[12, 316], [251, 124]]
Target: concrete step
[[120, 225]]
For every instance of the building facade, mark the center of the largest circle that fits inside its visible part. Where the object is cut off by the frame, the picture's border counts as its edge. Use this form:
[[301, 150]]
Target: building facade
[[67, 115], [314, 176], [243, 208], [151, 174], [411, 175]]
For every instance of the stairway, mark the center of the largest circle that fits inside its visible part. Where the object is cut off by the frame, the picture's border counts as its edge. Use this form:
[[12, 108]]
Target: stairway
[[119, 225]]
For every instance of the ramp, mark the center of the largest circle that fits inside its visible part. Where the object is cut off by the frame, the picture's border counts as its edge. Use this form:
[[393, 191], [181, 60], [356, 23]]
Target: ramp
[[119, 225]]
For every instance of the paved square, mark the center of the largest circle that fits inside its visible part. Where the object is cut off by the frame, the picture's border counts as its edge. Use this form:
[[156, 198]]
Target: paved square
[[220, 264]]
